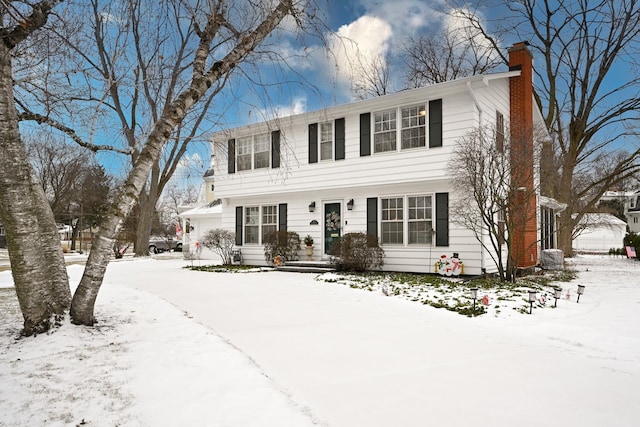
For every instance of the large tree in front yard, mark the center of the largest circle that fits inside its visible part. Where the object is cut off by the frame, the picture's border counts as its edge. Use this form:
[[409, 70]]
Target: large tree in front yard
[[226, 35], [37, 262], [587, 88]]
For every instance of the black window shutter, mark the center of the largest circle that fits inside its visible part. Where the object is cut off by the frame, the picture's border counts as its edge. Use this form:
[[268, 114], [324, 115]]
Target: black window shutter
[[435, 123], [275, 149], [372, 216], [442, 219], [239, 212], [282, 217], [313, 143], [339, 139], [231, 150], [365, 134]]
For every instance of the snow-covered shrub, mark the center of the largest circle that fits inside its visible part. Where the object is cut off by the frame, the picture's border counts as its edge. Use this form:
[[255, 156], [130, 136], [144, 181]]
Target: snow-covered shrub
[[221, 242]]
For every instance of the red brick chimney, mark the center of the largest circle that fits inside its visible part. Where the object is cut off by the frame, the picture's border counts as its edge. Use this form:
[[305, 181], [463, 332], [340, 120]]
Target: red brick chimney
[[522, 157]]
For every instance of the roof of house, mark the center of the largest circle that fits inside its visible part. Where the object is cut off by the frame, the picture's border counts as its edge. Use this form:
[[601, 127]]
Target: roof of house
[[601, 218], [208, 209], [434, 90]]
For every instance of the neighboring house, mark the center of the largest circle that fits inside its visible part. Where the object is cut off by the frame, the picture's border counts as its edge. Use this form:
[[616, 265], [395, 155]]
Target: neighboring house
[[376, 166], [632, 211], [198, 220], [599, 233], [631, 202]]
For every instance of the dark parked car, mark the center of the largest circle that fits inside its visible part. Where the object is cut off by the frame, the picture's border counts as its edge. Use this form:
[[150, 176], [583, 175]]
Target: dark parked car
[[161, 244]]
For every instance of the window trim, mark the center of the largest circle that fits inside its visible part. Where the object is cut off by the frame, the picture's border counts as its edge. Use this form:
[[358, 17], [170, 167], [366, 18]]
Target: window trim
[[394, 131], [261, 224], [405, 219], [330, 141], [396, 221], [424, 105], [253, 153], [421, 117]]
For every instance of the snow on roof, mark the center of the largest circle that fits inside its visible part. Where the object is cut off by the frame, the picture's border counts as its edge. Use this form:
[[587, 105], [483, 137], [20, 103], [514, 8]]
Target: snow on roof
[[601, 218], [211, 208]]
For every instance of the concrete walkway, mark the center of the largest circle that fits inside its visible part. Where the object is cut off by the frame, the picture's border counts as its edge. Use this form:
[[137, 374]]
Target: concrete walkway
[[356, 358]]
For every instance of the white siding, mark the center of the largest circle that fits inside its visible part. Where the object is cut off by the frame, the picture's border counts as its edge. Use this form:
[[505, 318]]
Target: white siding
[[416, 171]]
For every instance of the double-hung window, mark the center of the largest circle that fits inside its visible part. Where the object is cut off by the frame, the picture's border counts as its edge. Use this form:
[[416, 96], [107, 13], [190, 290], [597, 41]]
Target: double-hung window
[[252, 224], [253, 152], [258, 222], [243, 153], [410, 216], [384, 131], [392, 220], [326, 141], [414, 129], [261, 150], [269, 220], [420, 219]]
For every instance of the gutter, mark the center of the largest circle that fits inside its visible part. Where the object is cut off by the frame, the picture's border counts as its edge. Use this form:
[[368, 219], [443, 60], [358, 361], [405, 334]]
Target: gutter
[[483, 268]]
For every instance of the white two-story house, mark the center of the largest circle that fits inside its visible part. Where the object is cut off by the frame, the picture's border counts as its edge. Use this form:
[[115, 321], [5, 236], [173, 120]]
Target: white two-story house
[[376, 166]]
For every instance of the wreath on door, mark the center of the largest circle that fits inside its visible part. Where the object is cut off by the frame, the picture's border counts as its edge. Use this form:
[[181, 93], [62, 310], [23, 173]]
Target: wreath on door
[[332, 221]]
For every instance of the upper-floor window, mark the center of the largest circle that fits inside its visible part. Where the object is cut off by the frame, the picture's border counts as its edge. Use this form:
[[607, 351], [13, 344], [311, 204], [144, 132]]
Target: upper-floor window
[[411, 131], [244, 153], [414, 129], [410, 216], [384, 131], [632, 202], [1, 231], [326, 141], [253, 152]]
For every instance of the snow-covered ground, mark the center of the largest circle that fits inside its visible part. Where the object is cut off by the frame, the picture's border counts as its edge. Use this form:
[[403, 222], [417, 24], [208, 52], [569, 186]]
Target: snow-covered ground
[[180, 347]]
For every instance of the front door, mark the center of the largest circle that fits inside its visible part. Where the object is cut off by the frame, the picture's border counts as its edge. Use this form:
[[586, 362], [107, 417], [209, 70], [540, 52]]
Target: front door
[[332, 225]]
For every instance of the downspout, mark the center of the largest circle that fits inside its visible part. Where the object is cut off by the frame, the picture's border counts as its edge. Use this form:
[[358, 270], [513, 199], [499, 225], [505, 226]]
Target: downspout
[[483, 268]]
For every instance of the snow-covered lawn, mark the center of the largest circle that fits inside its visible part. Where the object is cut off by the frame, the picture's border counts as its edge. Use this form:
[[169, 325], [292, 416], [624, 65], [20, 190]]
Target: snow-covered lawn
[[180, 347]]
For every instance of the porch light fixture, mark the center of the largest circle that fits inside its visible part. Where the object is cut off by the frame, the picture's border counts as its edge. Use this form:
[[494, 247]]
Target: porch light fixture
[[532, 299], [557, 294], [580, 292], [350, 205], [312, 206], [474, 295]]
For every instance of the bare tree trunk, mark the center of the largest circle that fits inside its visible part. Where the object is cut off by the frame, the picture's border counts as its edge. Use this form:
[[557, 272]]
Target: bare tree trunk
[[37, 261], [82, 305], [147, 203]]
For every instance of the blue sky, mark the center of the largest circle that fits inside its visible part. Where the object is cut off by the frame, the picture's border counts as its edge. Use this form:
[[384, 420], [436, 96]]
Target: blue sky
[[313, 78]]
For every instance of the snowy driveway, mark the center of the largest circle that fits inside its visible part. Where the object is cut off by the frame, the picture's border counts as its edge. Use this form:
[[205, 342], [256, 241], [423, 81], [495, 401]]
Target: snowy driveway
[[356, 358]]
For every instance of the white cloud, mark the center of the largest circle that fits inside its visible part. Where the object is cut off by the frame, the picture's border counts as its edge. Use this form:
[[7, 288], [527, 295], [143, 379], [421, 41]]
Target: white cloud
[[298, 106], [359, 44], [404, 16]]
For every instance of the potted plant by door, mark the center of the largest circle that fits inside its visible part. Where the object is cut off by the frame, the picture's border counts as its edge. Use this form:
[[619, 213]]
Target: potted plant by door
[[308, 242]]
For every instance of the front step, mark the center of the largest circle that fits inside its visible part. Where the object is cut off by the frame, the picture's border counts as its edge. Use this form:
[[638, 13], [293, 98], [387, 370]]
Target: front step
[[307, 267]]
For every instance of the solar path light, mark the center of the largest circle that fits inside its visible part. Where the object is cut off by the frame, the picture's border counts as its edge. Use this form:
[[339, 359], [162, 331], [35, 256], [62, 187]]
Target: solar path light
[[532, 299]]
